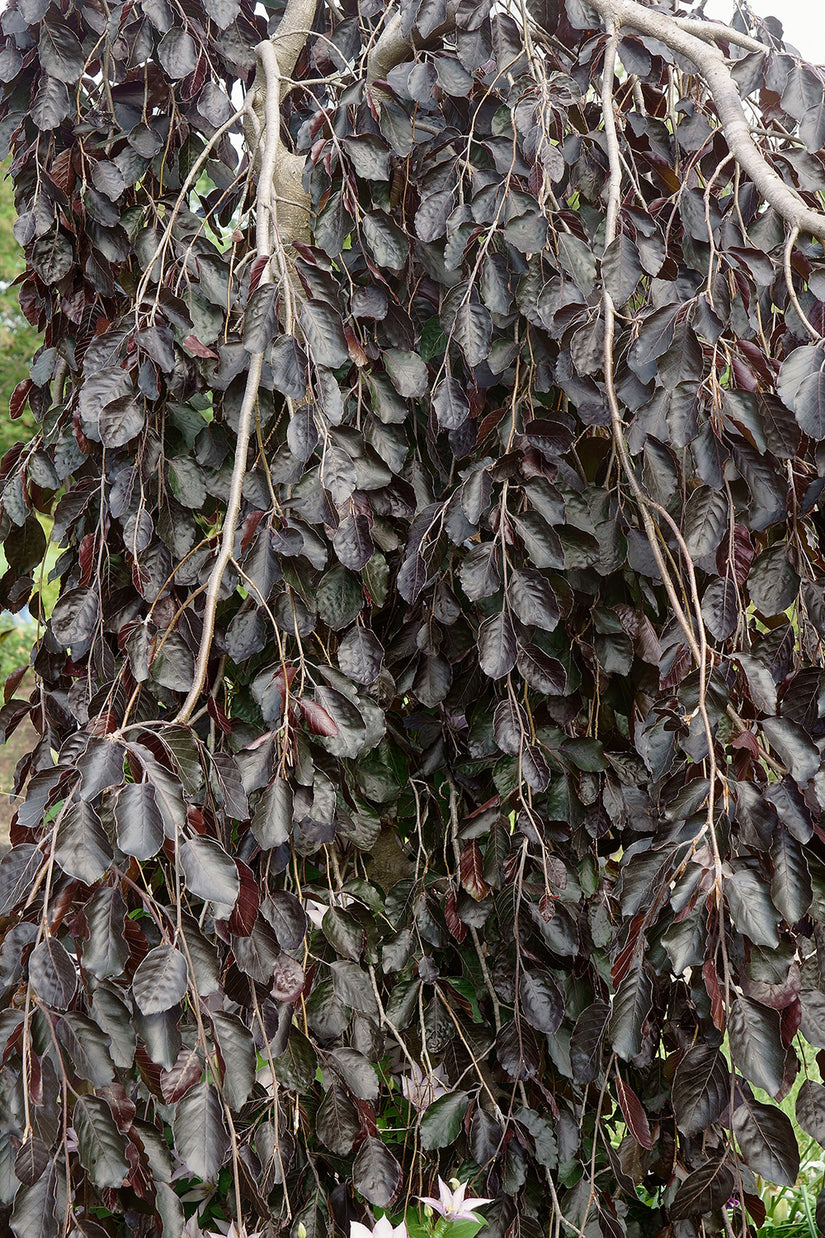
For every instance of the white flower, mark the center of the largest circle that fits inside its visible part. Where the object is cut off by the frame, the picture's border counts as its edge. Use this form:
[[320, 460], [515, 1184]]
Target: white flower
[[452, 1204], [421, 1089], [316, 910], [381, 1229], [193, 1230]]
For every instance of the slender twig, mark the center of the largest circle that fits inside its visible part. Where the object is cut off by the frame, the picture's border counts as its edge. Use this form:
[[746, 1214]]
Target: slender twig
[[794, 299], [265, 219]]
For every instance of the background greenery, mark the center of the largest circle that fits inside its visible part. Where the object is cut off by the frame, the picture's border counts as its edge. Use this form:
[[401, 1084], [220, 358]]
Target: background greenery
[[18, 340]]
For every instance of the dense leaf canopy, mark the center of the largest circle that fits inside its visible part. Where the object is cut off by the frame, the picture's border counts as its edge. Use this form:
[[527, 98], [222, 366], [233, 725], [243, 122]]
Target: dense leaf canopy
[[431, 412]]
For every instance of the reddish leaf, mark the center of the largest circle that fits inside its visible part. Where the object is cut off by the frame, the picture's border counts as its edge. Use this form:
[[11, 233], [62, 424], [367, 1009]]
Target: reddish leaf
[[456, 925], [755, 1208], [547, 907], [736, 562], [12, 683], [150, 1072], [471, 868], [250, 526], [193, 345], [629, 954], [634, 1114], [288, 980], [185, 1073], [748, 741], [18, 398], [790, 1019], [256, 271], [354, 348], [122, 1106], [220, 718], [35, 1078], [317, 718], [717, 1005], [86, 556], [245, 911]]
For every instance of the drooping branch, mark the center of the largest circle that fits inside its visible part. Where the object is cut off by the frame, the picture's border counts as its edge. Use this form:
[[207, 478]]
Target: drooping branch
[[711, 31], [711, 64], [690, 37], [266, 233]]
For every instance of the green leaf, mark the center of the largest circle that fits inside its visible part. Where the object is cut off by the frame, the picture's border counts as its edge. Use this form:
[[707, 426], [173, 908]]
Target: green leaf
[[442, 1120]]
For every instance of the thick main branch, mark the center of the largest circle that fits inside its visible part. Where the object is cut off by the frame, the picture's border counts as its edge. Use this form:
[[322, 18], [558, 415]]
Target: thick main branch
[[393, 46], [711, 64]]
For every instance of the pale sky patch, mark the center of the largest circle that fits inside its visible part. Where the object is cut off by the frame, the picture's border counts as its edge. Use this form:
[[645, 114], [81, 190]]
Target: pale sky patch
[[803, 21]]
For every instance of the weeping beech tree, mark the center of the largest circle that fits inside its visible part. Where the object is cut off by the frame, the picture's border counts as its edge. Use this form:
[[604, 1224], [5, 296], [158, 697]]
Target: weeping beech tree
[[431, 722]]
